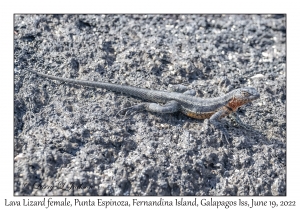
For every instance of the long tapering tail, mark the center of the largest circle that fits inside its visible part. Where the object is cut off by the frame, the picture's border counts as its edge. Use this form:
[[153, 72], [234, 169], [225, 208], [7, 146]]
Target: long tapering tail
[[152, 95]]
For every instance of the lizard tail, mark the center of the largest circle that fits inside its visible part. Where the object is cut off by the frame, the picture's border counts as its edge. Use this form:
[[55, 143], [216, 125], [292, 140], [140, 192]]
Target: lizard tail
[[142, 93]]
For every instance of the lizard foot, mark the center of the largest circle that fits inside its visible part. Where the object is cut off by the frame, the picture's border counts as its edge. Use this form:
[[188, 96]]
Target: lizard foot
[[225, 134], [132, 109], [220, 127], [240, 123], [214, 120]]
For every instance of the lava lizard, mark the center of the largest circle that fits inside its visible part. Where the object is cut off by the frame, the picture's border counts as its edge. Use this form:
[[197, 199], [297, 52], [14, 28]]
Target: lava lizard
[[209, 108]]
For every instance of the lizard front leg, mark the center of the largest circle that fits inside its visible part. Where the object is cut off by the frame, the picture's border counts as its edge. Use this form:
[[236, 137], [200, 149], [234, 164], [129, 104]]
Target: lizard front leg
[[214, 119], [239, 121], [182, 89]]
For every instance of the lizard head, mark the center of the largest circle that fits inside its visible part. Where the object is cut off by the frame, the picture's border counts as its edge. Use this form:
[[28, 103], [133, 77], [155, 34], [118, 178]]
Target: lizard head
[[247, 94], [243, 96]]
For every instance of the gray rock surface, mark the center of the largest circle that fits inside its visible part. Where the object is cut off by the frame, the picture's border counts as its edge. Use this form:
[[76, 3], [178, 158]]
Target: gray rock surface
[[69, 140]]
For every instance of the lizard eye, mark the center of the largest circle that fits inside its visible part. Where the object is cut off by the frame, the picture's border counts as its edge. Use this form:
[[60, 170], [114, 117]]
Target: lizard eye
[[245, 93]]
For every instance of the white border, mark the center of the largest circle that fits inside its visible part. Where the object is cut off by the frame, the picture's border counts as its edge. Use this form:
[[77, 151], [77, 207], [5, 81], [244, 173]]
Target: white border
[[153, 6]]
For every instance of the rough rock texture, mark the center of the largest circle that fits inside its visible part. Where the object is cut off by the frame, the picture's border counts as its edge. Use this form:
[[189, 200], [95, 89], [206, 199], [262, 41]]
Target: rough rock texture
[[70, 140]]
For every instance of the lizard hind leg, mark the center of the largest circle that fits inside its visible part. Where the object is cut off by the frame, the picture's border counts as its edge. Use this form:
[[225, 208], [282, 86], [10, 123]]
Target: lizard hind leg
[[170, 107], [182, 89], [190, 92], [131, 109], [214, 119]]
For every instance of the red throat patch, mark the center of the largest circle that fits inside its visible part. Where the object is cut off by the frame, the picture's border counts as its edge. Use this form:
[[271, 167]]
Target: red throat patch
[[234, 104]]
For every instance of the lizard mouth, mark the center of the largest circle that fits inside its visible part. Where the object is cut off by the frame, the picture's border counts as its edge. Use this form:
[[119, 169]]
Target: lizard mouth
[[254, 97], [257, 96]]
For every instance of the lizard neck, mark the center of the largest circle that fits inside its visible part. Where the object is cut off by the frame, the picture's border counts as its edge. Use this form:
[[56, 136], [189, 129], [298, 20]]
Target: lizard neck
[[224, 99]]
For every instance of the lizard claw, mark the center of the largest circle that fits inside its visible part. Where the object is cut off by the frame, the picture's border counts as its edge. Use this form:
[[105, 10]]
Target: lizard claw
[[122, 111], [131, 109], [221, 128], [247, 127], [225, 134], [240, 122]]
